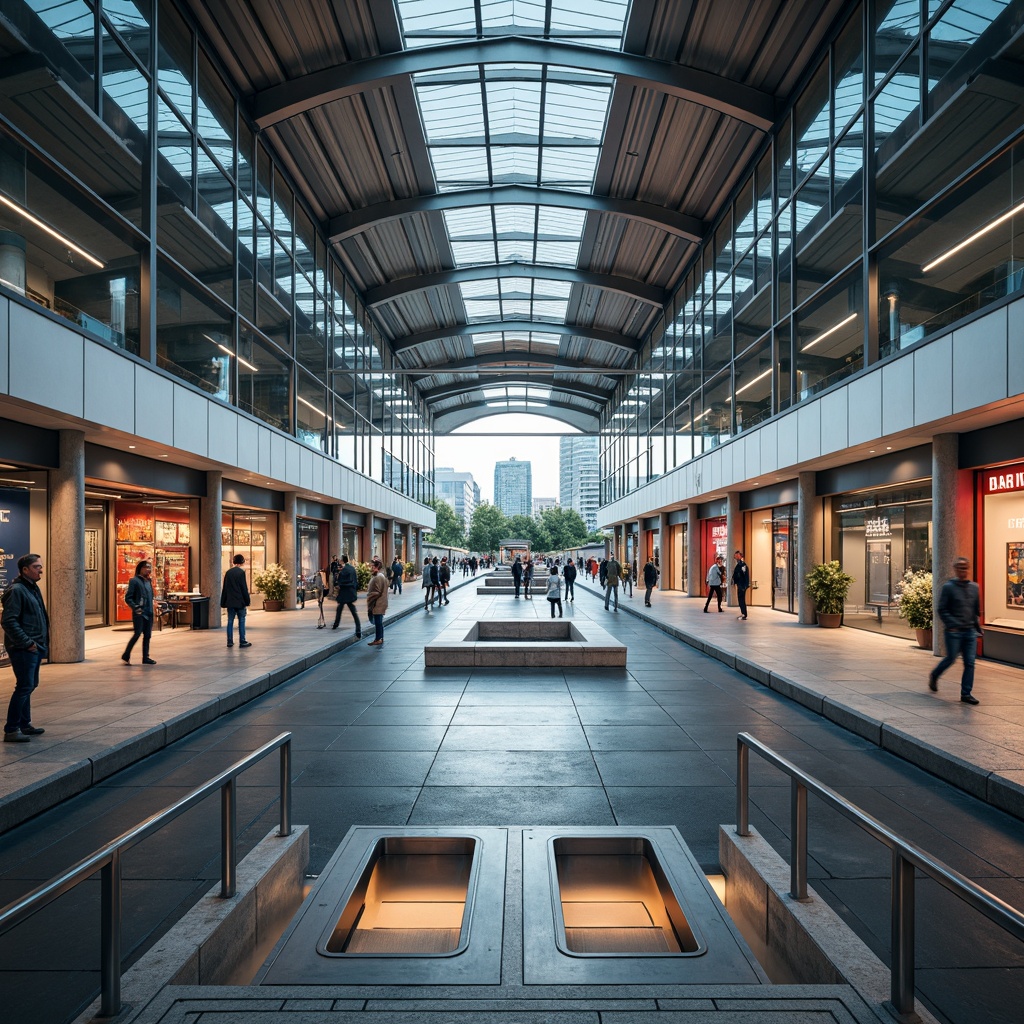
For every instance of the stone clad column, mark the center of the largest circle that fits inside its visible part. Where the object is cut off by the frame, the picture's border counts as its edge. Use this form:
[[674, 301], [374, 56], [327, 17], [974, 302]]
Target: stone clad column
[[810, 542], [951, 532], [64, 563], [211, 573], [734, 528], [286, 545], [666, 555], [336, 533], [695, 577], [410, 543]]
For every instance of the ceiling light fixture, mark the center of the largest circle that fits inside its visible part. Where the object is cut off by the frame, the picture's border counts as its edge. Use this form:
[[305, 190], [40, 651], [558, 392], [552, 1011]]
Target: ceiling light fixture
[[760, 376], [831, 330], [1019, 208], [228, 352], [21, 211]]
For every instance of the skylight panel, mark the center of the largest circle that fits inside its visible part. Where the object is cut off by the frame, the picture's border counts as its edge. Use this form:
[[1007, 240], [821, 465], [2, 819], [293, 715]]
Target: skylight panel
[[576, 111], [570, 167], [602, 21], [452, 112], [469, 220], [479, 310], [514, 165], [559, 254], [515, 219], [468, 254], [460, 167], [513, 109]]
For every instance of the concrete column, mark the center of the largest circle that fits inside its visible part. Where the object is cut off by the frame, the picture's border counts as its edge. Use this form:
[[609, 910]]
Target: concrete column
[[951, 532], [410, 543], [418, 560], [669, 571], [210, 564], [388, 548], [810, 543], [734, 525], [695, 577], [65, 562], [286, 544], [336, 533]]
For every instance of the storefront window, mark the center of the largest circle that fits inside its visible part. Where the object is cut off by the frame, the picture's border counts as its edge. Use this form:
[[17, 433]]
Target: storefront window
[[252, 535], [312, 546], [1002, 559], [880, 537]]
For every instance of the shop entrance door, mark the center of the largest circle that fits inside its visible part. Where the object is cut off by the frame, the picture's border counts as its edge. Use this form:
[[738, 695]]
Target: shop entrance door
[[784, 540], [95, 564], [879, 575]]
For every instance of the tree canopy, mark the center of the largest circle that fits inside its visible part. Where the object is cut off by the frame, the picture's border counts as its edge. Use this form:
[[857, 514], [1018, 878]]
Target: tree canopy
[[450, 530], [487, 528]]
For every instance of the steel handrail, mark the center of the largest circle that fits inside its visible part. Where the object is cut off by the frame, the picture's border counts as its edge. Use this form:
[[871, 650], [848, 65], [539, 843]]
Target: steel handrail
[[906, 856], [108, 860]]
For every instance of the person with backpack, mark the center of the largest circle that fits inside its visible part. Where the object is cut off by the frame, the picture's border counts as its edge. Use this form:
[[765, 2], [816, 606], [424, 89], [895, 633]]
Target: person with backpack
[[444, 577], [716, 582], [347, 585]]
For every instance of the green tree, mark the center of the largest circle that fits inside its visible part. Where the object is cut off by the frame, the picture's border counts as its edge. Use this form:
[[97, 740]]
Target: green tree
[[450, 530], [565, 528], [523, 527], [487, 528]]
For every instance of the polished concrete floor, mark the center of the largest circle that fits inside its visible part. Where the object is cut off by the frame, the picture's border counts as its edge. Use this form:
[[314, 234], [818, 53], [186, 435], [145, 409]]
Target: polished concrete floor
[[378, 739]]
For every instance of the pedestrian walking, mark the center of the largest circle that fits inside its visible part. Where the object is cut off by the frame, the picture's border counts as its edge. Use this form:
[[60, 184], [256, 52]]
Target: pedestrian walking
[[397, 572], [613, 574], [960, 612], [234, 596], [427, 586], [554, 594], [741, 581], [517, 575], [650, 580], [377, 601], [569, 575], [444, 578], [527, 579], [140, 599], [716, 582], [347, 585], [602, 572], [26, 629]]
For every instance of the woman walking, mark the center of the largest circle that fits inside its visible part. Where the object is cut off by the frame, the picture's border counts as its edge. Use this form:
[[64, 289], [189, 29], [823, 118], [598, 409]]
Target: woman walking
[[377, 601], [554, 594], [716, 581]]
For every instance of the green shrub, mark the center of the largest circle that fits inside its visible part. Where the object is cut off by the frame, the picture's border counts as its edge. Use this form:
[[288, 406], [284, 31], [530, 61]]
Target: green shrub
[[828, 586], [362, 575], [915, 599]]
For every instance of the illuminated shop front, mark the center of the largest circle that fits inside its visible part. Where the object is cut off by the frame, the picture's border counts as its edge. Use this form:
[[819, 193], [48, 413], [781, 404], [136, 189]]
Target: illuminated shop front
[[1001, 560]]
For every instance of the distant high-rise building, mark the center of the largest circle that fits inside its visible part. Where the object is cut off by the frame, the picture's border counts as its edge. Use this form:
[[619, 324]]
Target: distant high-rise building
[[540, 504], [579, 476], [460, 490], [513, 487]]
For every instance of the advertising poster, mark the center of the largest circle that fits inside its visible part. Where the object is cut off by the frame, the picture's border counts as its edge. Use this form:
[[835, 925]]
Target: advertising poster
[[1015, 574], [14, 540]]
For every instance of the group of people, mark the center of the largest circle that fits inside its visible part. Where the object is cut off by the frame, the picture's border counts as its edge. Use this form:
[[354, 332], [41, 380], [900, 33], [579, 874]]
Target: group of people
[[716, 581], [437, 575]]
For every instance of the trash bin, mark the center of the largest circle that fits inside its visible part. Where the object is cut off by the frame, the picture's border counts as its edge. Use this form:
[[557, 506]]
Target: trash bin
[[200, 612]]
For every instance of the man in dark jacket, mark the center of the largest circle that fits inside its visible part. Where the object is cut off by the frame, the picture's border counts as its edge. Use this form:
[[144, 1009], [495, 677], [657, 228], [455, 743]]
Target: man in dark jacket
[[960, 612], [444, 577], [569, 575], [650, 580], [234, 596], [741, 580], [517, 575], [348, 587], [27, 639]]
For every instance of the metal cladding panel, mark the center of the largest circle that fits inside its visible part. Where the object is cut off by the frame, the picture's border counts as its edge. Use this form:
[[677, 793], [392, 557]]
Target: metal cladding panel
[[724, 959], [296, 959]]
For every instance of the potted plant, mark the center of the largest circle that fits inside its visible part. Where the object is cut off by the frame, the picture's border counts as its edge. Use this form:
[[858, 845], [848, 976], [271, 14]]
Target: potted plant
[[915, 605], [273, 583], [828, 586]]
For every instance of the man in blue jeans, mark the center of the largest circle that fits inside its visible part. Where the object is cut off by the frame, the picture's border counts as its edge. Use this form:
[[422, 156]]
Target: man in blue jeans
[[27, 639], [960, 612]]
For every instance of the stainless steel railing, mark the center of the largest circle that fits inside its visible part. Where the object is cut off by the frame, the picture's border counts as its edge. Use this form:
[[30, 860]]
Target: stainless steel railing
[[906, 856], [108, 861]]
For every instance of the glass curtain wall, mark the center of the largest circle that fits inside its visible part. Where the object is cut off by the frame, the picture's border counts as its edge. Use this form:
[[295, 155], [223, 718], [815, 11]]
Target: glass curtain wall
[[887, 205], [249, 306]]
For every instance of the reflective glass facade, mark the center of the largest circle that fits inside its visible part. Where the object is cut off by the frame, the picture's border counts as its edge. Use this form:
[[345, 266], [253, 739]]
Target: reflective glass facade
[[137, 201], [887, 205]]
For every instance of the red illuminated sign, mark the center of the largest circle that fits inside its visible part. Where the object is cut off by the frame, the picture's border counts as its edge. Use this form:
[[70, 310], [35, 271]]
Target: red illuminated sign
[[1003, 479]]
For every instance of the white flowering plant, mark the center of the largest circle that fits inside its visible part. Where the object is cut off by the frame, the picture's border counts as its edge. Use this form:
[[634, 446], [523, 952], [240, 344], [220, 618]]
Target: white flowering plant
[[914, 593], [272, 582], [828, 586]]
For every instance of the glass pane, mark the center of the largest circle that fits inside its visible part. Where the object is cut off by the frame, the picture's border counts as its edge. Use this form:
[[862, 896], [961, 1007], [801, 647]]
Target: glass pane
[[829, 338], [132, 20], [215, 119], [849, 74], [813, 117], [897, 108], [174, 74], [263, 381], [898, 23], [312, 421]]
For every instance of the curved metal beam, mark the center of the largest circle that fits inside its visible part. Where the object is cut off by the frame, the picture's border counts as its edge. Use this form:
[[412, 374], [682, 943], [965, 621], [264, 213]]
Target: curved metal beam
[[347, 224], [650, 294], [289, 99], [490, 326], [524, 362], [448, 420], [591, 394]]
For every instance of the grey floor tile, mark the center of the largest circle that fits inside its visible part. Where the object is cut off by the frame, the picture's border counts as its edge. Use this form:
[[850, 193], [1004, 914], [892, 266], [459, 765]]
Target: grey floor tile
[[513, 768], [658, 768], [638, 737], [514, 737], [525, 805]]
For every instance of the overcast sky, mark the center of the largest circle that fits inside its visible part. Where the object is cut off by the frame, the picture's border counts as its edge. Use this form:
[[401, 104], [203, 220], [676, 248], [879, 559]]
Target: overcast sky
[[505, 440]]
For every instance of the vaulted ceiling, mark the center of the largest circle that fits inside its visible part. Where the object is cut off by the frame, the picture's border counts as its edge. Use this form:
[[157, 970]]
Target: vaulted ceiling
[[516, 186]]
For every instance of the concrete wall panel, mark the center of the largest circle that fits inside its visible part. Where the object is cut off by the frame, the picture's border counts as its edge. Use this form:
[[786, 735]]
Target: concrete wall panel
[[979, 362], [224, 427], [5, 337], [789, 434], [47, 363], [1015, 347], [835, 422], [263, 450], [769, 438], [109, 388], [809, 431], [278, 457], [933, 381], [865, 408], [898, 395], [191, 421], [154, 397]]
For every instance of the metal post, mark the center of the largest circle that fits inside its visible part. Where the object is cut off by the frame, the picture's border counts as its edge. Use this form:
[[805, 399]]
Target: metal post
[[902, 913], [110, 936], [227, 839], [286, 788], [742, 787], [798, 832]]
